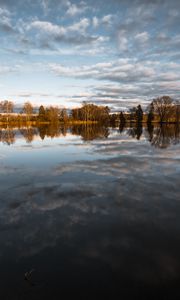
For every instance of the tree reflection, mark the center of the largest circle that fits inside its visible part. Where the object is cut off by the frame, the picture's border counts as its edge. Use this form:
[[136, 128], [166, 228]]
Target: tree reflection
[[150, 130], [52, 130], [121, 127], [160, 137], [29, 133], [165, 135], [7, 136], [87, 132], [136, 132], [90, 132]]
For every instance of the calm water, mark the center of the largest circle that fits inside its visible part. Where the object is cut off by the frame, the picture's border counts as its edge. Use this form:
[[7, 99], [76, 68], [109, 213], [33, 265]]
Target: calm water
[[89, 211]]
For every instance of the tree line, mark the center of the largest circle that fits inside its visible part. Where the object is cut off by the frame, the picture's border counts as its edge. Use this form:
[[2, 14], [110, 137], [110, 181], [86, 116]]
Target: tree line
[[162, 109], [53, 114]]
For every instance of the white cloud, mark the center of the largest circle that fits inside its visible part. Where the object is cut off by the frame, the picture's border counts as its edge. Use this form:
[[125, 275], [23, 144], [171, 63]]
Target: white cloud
[[119, 70], [7, 69], [107, 19], [47, 27], [4, 11], [74, 9], [174, 13], [80, 26], [54, 29], [49, 34], [134, 78], [95, 22], [142, 37], [122, 40], [45, 6], [5, 21]]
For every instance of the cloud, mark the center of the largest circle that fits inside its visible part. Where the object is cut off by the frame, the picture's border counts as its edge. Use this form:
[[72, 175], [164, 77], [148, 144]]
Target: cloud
[[4, 11], [122, 40], [120, 71], [142, 37], [75, 33], [45, 6], [5, 21], [95, 22], [74, 9], [57, 30], [105, 20], [47, 27], [30, 94], [8, 69], [80, 26], [133, 81]]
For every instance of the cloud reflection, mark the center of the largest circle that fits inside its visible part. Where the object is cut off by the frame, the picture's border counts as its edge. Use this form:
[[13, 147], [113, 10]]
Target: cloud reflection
[[120, 212]]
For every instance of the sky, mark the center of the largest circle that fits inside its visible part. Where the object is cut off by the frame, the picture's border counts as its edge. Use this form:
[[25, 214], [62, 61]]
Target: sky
[[118, 53]]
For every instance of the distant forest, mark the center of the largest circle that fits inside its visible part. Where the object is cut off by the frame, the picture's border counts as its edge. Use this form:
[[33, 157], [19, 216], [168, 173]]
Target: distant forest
[[161, 110]]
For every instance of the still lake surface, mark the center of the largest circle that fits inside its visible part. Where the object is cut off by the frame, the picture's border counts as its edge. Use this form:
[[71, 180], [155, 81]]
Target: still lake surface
[[89, 211]]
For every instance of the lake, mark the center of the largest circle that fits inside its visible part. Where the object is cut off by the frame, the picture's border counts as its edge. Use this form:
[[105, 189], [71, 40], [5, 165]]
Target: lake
[[89, 211]]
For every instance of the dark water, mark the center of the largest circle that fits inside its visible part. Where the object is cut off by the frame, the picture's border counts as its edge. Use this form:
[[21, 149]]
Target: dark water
[[92, 212]]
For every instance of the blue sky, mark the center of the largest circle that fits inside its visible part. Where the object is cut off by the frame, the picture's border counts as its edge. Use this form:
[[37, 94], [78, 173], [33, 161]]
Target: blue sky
[[61, 52]]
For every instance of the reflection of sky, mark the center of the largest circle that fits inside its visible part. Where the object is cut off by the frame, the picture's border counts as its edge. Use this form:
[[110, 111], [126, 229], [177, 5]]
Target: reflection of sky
[[46, 153], [110, 204]]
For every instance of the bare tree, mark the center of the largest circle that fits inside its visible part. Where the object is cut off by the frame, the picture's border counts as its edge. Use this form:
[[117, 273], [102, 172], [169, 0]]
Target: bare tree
[[7, 107], [163, 106], [28, 110]]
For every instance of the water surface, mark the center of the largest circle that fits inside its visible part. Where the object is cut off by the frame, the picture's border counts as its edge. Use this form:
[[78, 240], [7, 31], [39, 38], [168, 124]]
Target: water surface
[[89, 211]]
